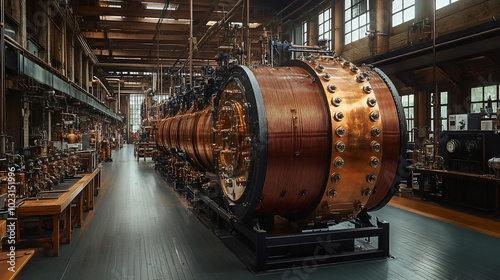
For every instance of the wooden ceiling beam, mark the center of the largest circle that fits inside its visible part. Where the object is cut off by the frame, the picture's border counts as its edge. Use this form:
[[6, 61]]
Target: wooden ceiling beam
[[131, 36], [92, 11], [131, 25], [141, 53]]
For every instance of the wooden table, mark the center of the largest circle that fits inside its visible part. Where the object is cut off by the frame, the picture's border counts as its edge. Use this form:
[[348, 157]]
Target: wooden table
[[145, 150], [22, 257], [3, 228], [82, 192], [465, 176]]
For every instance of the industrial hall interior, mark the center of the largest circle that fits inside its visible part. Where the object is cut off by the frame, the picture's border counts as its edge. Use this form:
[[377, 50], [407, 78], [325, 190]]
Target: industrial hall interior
[[249, 139]]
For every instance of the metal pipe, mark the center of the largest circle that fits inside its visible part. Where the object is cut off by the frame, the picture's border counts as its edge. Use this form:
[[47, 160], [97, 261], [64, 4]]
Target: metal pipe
[[191, 42], [375, 63], [3, 116], [215, 28], [437, 100], [248, 42], [118, 104], [212, 30], [97, 80]]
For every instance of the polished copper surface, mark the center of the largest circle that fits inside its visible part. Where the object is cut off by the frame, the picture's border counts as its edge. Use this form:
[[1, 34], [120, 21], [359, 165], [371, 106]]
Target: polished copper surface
[[190, 132], [356, 122], [72, 137], [203, 141], [232, 141], [332, 139], [391, 139], [298, 140]]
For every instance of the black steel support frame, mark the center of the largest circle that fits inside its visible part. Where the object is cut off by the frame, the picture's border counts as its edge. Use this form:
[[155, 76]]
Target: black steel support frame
[[253, 245]]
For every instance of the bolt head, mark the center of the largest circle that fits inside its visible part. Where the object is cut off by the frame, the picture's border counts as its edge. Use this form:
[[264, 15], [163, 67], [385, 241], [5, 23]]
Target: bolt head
[[331, 193], [336, 101], [374, 162], [332, 88], [327, 77], [371, 178], [374, 116], [340, 146], [340, 131], [375, 146], [371, 102], [338, 116], [339, 162], [367, 192], [376, 131]]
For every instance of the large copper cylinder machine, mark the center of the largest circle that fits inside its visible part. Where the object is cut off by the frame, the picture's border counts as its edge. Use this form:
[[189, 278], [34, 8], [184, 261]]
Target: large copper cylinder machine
[[317, 140]]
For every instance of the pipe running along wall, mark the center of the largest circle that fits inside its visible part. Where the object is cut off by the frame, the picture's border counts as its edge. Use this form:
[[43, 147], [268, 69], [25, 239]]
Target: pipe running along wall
[[320, 139]]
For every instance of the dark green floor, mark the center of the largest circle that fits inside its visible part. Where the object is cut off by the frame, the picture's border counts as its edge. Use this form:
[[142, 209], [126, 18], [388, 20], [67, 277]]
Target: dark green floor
[[141, 230]]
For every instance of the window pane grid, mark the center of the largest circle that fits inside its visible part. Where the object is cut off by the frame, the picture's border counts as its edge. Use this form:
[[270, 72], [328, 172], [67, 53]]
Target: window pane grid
[[402, 11], [356, 20], [409, 110], [325, 25], [304, 33], [480, 98], [135, 111], [443, 112]]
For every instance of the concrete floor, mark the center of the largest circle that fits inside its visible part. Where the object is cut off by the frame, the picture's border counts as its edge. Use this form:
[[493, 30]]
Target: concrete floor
[[141, 229]]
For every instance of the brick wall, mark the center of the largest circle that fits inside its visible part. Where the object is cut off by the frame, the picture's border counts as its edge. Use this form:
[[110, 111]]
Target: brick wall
[[358, 50]]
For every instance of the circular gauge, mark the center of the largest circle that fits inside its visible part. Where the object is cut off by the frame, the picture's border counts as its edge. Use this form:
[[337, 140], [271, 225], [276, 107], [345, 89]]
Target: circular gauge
[[471, 146], [452, 146]]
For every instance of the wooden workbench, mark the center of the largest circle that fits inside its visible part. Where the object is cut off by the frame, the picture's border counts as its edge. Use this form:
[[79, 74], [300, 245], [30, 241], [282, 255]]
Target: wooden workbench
[[82, 192], [22, 257], [3, 228], [473, 178]]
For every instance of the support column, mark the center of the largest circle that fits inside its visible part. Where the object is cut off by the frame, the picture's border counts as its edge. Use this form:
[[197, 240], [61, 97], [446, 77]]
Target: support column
[[422, 118], [87, 77], [313, 30], [338, 30], [79, 69], [48, 45], [22, 24], [382, 26], [26, 124], [91, 74]]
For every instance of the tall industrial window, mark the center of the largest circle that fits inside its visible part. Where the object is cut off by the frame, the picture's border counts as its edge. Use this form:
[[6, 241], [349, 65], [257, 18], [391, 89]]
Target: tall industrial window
[[402, 11], [443, 3], [135, 111], [409, 109], [481, 96], [304, 33], [325, 25], [443, 103], [356, 20]]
